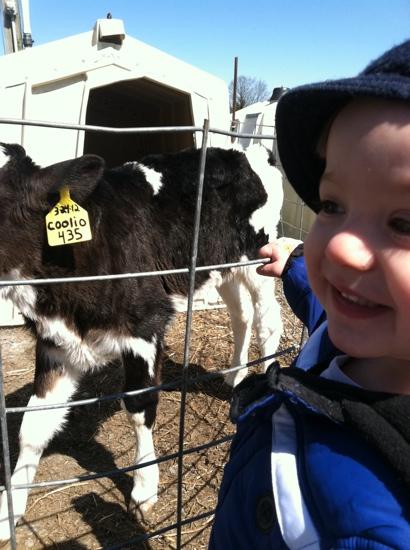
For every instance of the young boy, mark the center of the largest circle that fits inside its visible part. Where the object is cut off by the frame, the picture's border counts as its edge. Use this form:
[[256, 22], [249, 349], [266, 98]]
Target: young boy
[[321, 458]]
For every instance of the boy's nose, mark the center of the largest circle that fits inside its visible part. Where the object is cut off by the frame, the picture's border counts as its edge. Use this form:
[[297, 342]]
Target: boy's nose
[[350, 250]]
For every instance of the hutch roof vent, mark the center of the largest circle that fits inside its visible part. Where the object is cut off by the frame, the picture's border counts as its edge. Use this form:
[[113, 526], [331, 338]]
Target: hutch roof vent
[[109, 30]]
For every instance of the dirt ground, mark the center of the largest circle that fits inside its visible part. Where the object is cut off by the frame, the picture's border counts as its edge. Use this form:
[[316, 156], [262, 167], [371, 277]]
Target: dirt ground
[[98, 438]]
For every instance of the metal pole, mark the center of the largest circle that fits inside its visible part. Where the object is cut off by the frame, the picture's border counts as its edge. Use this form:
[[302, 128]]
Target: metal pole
[[12, 36], [26, 26], [188, 326], [235, 81], [6, 457]]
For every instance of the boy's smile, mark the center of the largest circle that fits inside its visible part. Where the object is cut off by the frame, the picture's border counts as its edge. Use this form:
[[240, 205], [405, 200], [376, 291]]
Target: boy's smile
[[358, 251], [353, 305]]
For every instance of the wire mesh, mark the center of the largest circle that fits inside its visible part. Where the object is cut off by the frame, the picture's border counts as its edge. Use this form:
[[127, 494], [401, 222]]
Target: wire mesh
[[183, 384]]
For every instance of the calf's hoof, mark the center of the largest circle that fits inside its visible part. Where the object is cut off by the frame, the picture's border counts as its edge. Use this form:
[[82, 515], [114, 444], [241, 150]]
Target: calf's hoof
[[4, 532], [142, 511], [4, 521], [233, 378]]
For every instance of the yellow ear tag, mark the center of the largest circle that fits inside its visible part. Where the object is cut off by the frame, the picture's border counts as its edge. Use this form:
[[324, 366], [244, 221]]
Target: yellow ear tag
[[67, 222]]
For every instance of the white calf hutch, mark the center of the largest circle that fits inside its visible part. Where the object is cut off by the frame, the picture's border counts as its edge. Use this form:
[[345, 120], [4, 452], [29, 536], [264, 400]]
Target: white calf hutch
[[105, 78]]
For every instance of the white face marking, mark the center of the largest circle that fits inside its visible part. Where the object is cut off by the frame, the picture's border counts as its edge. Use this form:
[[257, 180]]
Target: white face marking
[[266, 217], [153, 177]]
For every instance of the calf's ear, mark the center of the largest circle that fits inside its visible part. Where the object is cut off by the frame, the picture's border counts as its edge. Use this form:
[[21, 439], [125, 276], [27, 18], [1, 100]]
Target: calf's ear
[[80, 175], [14, 150], [19, 164]]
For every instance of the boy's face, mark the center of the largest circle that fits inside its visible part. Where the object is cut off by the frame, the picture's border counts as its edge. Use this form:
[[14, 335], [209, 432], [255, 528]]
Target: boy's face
[[358, 251]]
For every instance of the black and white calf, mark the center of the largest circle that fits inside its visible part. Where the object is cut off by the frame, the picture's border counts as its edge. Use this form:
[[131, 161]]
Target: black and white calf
[[141, 217]]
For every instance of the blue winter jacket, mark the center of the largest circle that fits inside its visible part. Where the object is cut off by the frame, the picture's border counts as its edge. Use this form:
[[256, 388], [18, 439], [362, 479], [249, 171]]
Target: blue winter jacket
[[348, 486]]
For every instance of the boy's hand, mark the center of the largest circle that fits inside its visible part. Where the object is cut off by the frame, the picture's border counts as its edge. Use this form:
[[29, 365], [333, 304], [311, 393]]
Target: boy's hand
[[278, 251]]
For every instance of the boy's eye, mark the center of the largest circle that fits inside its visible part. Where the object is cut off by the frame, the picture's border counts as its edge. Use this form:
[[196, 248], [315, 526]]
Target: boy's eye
[[400, 225], [330, 207]]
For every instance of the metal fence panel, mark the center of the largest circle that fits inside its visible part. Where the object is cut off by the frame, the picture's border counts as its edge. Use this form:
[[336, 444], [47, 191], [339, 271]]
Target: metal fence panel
[[292, 222]]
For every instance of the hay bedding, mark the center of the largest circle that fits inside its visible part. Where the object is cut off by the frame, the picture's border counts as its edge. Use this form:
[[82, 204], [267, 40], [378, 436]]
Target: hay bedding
[[93, 514]]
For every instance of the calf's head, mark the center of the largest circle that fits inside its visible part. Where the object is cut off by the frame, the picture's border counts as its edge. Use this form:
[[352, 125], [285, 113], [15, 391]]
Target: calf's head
[[27, 194]]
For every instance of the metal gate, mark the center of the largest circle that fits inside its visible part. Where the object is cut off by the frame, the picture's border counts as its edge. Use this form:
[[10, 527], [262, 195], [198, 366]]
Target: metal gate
[[183, 383]]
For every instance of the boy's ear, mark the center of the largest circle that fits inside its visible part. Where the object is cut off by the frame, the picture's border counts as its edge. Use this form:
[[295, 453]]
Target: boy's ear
[[80, 175]]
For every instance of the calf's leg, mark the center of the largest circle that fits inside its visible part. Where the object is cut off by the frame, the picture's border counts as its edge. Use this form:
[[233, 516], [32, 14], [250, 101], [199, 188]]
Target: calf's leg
[[240, 307], [251, 302], [142, 371], [267, 321], [52, 384]]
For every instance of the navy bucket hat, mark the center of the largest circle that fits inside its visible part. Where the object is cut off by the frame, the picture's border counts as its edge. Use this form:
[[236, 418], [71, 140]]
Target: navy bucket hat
[[303, 112]]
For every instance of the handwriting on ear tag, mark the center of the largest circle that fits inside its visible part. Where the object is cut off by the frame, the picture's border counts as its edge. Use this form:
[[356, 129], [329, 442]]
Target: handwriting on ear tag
[[67, 222]]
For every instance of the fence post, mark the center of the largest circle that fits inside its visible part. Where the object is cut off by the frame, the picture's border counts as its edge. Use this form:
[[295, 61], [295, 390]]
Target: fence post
[[194, 254], [6, 455]]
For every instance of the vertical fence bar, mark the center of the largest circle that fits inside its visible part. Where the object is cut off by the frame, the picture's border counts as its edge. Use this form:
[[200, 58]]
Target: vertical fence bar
[[235, 82], [303, 332], [6, 456], [301, 219], [194, 254]]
